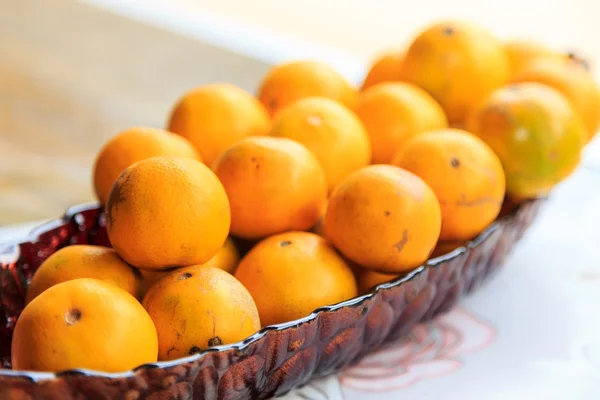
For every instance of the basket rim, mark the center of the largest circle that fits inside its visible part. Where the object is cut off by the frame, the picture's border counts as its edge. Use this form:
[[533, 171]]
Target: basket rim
[[34, 235]]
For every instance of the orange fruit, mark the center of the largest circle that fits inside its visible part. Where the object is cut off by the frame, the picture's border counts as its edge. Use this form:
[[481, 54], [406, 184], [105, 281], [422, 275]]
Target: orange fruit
[[536, 134], [521, 53], [445, 247], [197, 307], [458, 64], [330, 130], [386, 68], [292, 81], [367, 279], [83, 323], [383, 218], [291, 274], [570, 78], [133, 145], [215, 116], [318, 227], [273, 184], [464, 173], [227, 258], [165, 212], [393, 113], [84, 261]]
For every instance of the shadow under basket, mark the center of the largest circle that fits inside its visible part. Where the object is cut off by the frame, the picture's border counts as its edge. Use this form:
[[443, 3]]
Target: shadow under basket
[[277, 358]]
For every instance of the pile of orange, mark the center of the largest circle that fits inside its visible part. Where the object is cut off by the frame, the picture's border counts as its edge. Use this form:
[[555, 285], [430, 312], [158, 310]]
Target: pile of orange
[[333, 189]]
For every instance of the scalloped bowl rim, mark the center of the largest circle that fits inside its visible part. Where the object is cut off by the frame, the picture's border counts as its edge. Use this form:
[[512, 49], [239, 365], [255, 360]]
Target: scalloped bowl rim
[[240, 346]]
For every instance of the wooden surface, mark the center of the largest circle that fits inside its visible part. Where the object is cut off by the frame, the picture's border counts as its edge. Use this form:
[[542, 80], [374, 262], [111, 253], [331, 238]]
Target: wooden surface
[[70, 77]]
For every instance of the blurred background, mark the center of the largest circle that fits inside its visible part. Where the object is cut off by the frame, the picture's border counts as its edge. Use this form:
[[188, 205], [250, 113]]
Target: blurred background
[[73, 73]]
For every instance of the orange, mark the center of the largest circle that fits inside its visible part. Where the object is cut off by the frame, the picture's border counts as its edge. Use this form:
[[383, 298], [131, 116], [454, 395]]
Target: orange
[[197, 307], [133, 145], [465, 175], [318, 227], [227, 258], [215, 116], [536, 134], [570, 78], [368, 279], [330, 130], [445, 247], [292, 81], [521, 53], [274, 185], [395, 112], [83, 323], [84, 261], [383, 218], [165, 212], [458, 64], [291, 274], [386, 68]]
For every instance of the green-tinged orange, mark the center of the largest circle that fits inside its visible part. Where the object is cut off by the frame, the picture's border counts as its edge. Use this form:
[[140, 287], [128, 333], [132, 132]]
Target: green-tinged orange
[[574, 81], [535, 132]]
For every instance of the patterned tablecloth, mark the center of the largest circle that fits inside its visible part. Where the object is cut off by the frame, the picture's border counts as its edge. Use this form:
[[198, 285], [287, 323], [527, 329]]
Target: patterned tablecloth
[[531, 332]]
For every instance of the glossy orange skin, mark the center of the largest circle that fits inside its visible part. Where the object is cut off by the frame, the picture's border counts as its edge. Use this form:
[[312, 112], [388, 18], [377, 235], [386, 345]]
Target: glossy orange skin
[[215, 116], [572, 79], [133, 145], [384, 218], [273, 184], [292, 81], [331, 131], [465, 175], [535, 132], [83, 323], [393, 113], [459, 64], [84, 261], [386, 68], [291, 274], [198, 307], [521, 53], [166, 212]]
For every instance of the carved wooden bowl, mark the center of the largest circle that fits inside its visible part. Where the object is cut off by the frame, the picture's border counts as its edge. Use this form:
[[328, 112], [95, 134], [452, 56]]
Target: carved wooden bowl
[[274, 360]]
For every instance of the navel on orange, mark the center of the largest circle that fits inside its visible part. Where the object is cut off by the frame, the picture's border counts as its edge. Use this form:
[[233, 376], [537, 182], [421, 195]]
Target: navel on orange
[[291, 274], [198, 307], [83, 323], [458, 64]]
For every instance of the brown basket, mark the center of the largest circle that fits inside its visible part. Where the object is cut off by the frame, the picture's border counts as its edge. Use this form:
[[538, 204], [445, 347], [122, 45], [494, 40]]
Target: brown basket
[[272, 361]]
